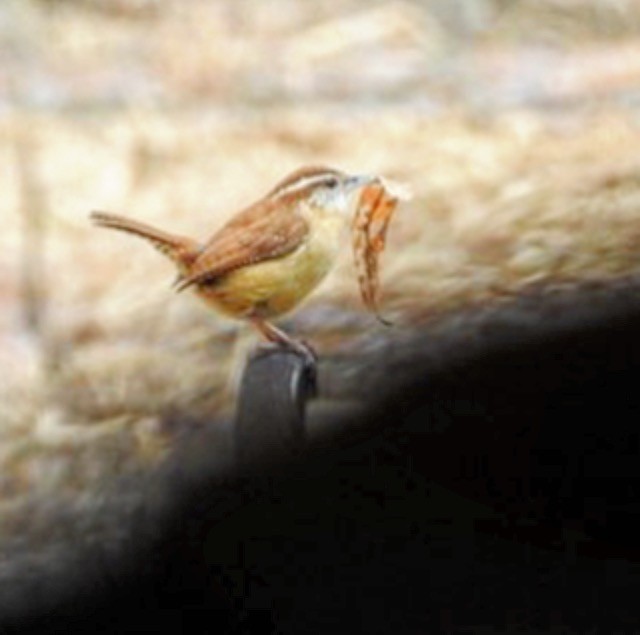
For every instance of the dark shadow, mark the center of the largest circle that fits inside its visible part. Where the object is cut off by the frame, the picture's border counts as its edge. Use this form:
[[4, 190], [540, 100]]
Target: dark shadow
[[499, 493]]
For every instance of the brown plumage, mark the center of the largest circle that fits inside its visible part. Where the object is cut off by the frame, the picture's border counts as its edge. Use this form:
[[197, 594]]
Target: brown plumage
[[270, 256], [181, 250], [261, 232]]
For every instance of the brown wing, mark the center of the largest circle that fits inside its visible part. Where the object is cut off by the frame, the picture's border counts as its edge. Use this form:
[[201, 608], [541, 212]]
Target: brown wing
[[370, 224], [261, 232]]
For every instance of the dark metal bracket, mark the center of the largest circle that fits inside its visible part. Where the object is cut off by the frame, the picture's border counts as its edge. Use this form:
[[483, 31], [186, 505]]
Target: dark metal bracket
[[270, 415]]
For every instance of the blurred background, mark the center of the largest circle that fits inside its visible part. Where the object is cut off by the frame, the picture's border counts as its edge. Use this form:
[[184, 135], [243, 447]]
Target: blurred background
[[514, 122]]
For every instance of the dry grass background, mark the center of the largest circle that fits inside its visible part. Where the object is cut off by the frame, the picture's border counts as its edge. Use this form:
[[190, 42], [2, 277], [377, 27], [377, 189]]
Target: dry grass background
[[519, 143]]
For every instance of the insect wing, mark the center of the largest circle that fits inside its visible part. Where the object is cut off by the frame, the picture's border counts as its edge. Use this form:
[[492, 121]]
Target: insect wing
[[369, 231]]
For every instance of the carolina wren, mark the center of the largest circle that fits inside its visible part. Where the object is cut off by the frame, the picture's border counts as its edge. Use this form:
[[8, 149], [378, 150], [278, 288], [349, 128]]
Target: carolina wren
[[270, 256]]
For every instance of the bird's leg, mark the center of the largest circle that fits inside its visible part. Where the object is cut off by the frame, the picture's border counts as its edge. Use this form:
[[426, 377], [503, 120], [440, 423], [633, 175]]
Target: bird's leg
[[278, 337]]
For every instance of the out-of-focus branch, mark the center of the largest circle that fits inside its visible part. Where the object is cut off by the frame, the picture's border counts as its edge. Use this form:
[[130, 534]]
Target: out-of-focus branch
[[33, 212]]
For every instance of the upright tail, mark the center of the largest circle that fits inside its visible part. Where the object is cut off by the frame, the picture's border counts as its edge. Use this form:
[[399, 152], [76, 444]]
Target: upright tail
[[183, 251]]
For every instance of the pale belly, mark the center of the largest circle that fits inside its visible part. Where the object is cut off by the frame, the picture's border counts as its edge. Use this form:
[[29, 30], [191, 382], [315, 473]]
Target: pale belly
[[274, 287]]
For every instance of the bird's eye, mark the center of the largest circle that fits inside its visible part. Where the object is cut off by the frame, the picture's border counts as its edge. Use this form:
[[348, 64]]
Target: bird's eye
[[332, 183]]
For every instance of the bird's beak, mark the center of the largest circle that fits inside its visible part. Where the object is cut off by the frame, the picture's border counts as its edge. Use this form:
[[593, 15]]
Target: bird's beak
[[392, 189], [358, 181]]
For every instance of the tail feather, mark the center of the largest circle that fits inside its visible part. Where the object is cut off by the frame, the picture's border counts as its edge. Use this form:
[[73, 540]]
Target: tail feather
[[183, 251]]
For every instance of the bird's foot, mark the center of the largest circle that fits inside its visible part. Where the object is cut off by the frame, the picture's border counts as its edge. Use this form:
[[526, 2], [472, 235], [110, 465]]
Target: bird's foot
[[299, 347], [306, 351], [278, 339]]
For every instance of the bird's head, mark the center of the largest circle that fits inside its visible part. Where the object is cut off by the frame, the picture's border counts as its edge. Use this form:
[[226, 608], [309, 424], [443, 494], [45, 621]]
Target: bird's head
[[325, 189]]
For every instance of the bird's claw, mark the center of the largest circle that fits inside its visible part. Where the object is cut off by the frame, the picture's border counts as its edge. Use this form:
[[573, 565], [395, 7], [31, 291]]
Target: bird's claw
[[307, 352], [299, 347]]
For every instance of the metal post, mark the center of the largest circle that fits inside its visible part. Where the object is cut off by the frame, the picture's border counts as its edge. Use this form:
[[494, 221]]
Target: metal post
[[271, 406]]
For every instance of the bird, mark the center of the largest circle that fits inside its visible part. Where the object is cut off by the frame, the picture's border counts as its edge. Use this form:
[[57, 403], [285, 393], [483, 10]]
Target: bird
[[270, 256]]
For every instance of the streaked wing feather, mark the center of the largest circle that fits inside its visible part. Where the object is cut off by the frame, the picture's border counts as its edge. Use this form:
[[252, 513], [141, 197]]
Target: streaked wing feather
[[261, 232], [370, 226]]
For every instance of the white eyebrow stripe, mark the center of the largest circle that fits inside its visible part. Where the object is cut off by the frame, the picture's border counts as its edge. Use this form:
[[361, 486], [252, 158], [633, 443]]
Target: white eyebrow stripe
[[305, 182]]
